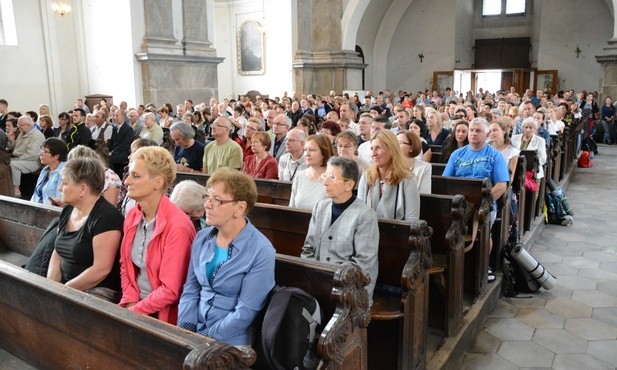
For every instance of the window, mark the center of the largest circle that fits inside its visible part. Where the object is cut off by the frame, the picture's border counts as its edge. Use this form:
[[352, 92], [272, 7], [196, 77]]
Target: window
[[496, 7], [8, 33]]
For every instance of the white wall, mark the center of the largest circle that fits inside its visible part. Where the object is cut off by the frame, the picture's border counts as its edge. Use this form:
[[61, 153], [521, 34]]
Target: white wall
[[562, 32], [275, 16], [422, 30], [110, 49]]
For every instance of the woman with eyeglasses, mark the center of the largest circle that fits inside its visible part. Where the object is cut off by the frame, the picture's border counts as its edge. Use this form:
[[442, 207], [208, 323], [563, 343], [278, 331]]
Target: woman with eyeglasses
[[262, 164], [157, 239], [306, 189], [343, 228], [53, 157], [346, 146], [388, 186], [231, 270], [64, 126]]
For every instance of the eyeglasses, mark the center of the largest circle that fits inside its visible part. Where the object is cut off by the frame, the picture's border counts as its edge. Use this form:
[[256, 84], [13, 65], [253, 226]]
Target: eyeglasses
[[215, 201], [332, 177], [279, 124], [223, 126], [44, 151], [404, 143]]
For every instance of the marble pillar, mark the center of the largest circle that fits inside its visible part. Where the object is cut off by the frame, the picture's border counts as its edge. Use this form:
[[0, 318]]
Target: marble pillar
[[320, 64], [175, 69], [608, 60]]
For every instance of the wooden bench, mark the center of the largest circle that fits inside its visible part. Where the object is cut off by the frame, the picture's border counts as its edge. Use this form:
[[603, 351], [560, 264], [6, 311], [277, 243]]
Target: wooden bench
[[52, 326], [339, 289], [477, 192], [438, 169], [531, 197], [401, 294]]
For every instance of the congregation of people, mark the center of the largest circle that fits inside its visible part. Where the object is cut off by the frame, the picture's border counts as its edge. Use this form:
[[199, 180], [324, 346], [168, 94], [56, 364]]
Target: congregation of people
[[188, 254]]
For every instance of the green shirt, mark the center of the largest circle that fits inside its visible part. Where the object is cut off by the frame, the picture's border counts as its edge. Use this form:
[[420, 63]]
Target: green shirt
[[225, 155]]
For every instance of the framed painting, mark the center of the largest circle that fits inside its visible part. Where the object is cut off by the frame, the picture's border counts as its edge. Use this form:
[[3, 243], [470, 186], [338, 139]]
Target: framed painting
[[250, 46]]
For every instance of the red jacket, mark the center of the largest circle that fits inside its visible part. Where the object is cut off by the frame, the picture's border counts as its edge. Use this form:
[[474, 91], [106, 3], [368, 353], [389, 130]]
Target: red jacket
[[167, 259]]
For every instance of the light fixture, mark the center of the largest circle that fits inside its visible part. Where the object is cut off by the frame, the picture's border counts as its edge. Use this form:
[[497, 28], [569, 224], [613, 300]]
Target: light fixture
[[61, 8]]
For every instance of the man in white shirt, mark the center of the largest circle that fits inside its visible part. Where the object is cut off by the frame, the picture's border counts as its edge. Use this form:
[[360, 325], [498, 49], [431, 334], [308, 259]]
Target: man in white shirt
[[292, 162], [347, 111], [364, 150]]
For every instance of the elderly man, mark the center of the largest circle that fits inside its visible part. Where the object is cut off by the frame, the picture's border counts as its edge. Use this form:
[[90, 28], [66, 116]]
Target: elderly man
[[222, 152], [25, 150], [295, 113], [134, 122], [120, 143], [347, 110], [102, 130], [292, 162], [280, 126], [188, 152]]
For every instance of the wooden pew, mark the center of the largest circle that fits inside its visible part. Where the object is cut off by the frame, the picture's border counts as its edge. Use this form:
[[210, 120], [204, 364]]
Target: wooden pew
[[531, 196], [477, 192], [438, 212], [51, 326], [518, 186], [339, 289], [438, 168], [404, 256]]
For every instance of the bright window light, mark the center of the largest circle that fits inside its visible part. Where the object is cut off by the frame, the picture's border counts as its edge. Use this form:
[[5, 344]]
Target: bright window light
[[515, 6], [491, 7]]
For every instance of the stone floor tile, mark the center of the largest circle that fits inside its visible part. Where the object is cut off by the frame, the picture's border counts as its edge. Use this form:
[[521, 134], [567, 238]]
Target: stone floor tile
[[540, 318], [565, 251], [583, 247], [577, 361], [598, 274], [558, 269], [609, 266], [509, 329], [576, 282], [570, 236], [558, 292], [546, 257], [477, 361], [503, 309], [601, 241], [526, 354], [581, 262], [600, 256], [604, 350], [527, 300], [608, 287], [560, 341], [594, 298], [485, 343], [610, 249], [569, 309], [607, 315], [591, 329]]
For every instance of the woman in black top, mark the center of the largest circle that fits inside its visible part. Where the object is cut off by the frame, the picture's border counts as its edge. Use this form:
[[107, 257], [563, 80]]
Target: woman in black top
[[89, 232]]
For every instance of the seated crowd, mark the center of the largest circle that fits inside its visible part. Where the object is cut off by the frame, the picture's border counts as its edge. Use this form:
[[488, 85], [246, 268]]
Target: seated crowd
[[189, 255]]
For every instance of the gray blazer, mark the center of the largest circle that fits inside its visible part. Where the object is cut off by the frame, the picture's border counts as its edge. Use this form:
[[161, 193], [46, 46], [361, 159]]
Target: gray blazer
[[281, 150], [354, 236], [399, 202]]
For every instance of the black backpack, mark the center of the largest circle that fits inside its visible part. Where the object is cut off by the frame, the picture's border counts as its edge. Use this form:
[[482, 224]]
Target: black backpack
[[517, 280], [289, 330]]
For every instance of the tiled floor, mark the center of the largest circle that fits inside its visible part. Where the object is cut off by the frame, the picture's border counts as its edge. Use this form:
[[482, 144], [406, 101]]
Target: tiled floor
[[573, 325]]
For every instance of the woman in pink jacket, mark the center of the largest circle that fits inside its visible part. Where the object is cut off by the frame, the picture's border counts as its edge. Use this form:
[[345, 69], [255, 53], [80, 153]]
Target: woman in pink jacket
[[156, 247]]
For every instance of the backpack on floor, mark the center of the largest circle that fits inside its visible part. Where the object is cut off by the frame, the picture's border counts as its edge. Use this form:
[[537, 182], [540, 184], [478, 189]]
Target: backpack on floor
[[517, 280], [289, 330]]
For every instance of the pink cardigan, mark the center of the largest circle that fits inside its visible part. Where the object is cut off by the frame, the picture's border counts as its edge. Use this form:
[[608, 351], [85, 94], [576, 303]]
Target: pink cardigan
[[167, 259]]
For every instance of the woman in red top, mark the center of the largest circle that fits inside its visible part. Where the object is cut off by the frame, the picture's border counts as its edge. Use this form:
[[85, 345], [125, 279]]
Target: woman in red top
[[156, 247], [261, 164]]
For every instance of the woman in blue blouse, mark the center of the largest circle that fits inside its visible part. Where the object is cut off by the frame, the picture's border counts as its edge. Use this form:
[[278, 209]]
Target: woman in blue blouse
[[53, 157], [231, 270]]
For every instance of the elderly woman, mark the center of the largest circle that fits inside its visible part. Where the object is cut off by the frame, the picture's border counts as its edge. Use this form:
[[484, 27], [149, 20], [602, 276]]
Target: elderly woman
[[188, 196], [151, 129], [342, 227], [346, 146], [500, 140], [457, 139], [306, 189], [157, 239], [111, 189], [528, 140], [261, 165], [231, 270], [388, 186], [411, 145], [53, 157], [89, 230], [436, 133]]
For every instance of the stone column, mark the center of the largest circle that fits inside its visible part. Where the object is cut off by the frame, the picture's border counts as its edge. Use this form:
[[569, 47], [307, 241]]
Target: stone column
[[320, 64], [608, 59], [174, 70]]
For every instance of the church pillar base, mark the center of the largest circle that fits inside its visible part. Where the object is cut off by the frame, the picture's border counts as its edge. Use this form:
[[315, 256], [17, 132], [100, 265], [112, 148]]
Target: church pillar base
[[320, 72], [169, 78], [608, 60]]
